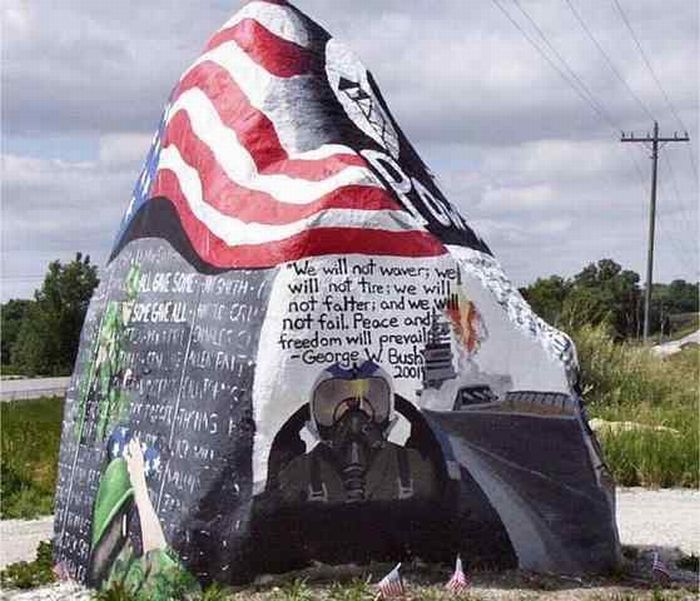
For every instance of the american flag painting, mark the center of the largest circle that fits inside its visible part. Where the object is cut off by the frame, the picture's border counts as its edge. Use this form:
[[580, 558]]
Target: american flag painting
[[250, 154]]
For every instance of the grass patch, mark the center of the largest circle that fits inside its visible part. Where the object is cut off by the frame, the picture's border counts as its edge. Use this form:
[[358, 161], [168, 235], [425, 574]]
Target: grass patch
[[625, 382], [296, 590], [355, 590], [31, 433], [24, 574]]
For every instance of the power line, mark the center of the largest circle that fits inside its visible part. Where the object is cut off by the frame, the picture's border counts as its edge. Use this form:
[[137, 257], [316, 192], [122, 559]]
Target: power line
[[679, 198], [640, 103], [566, 65], [685, 256], [608, 61], [544, 55], [592, 97], [655, 78], [647, 63], [680, 254], [655, 141], [575, 82], [683, 207]]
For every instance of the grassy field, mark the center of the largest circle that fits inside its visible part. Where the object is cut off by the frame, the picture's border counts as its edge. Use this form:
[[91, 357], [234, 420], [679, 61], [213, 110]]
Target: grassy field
[[31, 433], [628, 383]]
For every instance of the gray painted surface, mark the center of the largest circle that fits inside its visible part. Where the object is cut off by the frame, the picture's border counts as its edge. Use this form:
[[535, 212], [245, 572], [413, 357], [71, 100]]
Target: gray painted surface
[[537, 474]]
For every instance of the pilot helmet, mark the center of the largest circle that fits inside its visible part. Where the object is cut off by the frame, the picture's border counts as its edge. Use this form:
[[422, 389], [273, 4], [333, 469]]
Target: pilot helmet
[[366, 388]]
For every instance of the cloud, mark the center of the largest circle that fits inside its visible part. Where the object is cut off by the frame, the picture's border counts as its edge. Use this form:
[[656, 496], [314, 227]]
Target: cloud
[[96, 66], [539, 196], [531, 164], [52, 209], [123, 148]]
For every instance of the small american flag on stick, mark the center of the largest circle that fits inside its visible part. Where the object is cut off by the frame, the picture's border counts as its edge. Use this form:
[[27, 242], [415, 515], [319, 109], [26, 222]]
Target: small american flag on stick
[[391, 585], [459, 581], [659, 571]]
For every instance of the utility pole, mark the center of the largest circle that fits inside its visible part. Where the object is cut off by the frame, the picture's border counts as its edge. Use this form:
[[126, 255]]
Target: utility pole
[[656, 143]]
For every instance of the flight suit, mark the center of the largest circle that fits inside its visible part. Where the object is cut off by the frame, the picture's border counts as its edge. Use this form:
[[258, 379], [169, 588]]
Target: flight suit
[[395, 473]]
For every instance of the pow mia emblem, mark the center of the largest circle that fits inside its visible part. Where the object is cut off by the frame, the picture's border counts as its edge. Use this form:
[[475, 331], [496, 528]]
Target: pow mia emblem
[[348, 79]]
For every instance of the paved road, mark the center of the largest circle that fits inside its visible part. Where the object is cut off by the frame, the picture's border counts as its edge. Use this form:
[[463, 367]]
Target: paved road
[[32, 388], [665, 519], [675, 346]]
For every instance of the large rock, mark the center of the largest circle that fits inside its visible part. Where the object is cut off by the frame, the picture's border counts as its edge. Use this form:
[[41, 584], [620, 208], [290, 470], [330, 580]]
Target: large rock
[[301, 350]]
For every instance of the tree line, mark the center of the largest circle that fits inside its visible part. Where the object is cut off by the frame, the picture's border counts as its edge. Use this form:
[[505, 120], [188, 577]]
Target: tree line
[[41, 336], [604, 293]]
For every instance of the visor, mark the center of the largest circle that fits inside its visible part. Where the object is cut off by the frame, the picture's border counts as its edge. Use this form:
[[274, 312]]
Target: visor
[[333, 397]]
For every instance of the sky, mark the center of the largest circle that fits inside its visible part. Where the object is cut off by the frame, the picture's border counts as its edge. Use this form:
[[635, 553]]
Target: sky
[[516, 105]]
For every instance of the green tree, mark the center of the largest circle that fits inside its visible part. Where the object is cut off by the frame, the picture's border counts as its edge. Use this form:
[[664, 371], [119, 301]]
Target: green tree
[[601, 293], [47, 343], [547, 296], [12, 312], [604, 293], [679, 300]]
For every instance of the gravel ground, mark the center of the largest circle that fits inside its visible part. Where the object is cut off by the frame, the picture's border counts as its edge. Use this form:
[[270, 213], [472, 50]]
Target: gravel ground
[[20, 538], [665, 520]]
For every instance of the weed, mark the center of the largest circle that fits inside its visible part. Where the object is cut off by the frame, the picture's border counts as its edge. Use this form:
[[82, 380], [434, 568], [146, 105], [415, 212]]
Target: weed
[[31, 432], [116, 592], [623, 382], [296, 590], [215, 592], [439, 593], [31, 574], [355, 590], [27, 503]]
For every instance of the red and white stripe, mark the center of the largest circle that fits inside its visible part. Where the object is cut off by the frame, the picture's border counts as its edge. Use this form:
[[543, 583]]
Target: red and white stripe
[[459, 581], [247, 196], [391, 585]]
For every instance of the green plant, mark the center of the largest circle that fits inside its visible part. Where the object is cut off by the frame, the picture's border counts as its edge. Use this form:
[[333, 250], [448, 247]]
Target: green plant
[[31, 574], [627, 383], [296, 590], [28, 503], [31, 433], [116, 592], [215, 592], [355, 590], [659, 595]]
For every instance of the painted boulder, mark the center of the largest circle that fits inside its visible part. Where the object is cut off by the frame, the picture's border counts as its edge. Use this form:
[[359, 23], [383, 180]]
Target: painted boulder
[[300, 350]]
